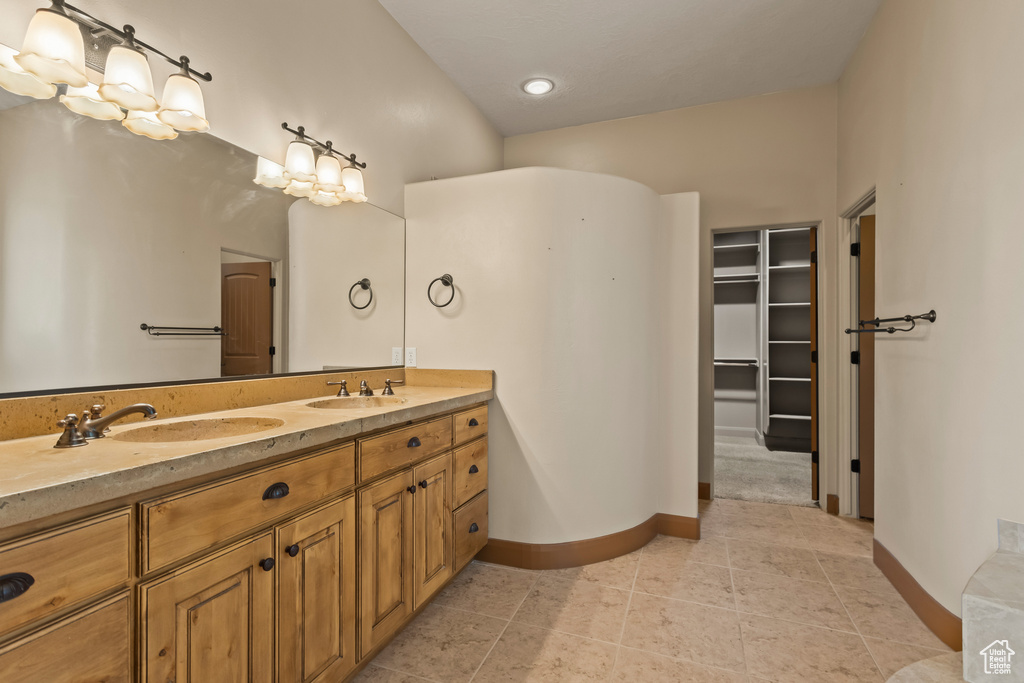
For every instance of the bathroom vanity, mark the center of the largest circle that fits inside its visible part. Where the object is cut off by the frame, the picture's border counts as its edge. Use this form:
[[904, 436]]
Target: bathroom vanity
[[292, 553]]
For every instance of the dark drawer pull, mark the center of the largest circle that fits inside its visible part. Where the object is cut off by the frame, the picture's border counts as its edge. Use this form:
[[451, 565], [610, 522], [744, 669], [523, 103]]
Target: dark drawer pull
[[473, 528], [473, 422], [414, 442], [423, 484], [267, 564], [473, 469], [13, 585], [292, 550], [411, 489], [278, 490]]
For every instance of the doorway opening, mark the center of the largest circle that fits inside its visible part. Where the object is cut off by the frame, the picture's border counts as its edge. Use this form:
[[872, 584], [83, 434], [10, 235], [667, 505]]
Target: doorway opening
[[862, 363], [765, 364], [249, 315]]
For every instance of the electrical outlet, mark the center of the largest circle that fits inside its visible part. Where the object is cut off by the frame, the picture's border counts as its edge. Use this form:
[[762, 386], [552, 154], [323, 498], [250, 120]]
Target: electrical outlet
[[410, 357], [396, 355]]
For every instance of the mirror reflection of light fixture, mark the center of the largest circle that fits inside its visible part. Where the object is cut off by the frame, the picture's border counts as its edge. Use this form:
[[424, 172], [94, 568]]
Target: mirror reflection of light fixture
[[352, 178], [20, 82], [53, 50], [321, 180], [270, 174], [146, 123], [127, 79], [183, 107], [87, 102]]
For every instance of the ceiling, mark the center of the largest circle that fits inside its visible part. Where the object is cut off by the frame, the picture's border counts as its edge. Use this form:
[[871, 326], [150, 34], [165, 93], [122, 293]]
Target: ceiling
[[611, 59]]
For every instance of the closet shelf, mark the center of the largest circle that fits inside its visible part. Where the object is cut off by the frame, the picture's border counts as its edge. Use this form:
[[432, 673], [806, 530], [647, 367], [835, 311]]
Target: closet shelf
[[789, 379], [729, 247], [795, 304], [737, 362], [745, 277], [781, 416], [806, 341], [796, 267], [780, 231]]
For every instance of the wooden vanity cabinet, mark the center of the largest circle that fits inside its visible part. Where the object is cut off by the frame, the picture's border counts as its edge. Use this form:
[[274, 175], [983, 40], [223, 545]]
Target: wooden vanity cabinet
[[316, 596], [432, 520], [212, 620]]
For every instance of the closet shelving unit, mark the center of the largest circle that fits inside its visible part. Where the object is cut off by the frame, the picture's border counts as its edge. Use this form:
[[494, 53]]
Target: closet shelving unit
[[738, 275], [786, 400]]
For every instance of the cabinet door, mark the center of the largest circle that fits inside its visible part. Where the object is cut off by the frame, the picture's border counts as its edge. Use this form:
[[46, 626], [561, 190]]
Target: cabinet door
[[316, 595], [432, 520], [92, 645], [385, 558], [212, 620]]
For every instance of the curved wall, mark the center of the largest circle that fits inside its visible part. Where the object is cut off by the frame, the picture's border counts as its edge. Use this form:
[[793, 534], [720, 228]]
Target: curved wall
[[560, 288]]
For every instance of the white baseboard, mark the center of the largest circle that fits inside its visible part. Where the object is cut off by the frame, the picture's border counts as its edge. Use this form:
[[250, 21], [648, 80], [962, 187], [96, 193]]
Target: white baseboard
[[745, 432]]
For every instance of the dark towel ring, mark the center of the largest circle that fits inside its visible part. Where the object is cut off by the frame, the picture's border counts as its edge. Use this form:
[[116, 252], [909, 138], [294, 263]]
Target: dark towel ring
[[447, 281], [365, 284]]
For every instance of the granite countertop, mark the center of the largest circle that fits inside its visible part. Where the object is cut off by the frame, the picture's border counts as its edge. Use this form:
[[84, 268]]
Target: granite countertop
[[39, 480]]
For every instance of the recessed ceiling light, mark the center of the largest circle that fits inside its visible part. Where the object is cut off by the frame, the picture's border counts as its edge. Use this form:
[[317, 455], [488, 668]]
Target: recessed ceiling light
[[538, 86]]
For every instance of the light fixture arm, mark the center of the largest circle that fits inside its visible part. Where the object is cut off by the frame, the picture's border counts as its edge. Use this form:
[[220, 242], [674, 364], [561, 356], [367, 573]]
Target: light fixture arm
[[127, 34], [325, 148]]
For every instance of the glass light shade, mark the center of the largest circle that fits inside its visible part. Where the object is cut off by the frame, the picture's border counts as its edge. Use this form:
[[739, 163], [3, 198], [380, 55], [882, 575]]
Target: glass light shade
[[183, 106], [352, 179], [20, 82], [328, 174], [53, 50], [87, 102], [299, 164], [147, 124], [127, 80], [321, 198], [270, 174], [297, 188]]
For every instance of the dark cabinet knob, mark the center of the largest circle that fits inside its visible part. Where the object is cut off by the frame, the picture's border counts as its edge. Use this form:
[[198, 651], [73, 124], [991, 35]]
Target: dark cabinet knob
[[473, 422], [292, 550], [473, 528], [13, 585], [274, 491], [267, 564], [411, 489], [414, 442], [423, 484], [473, 469]]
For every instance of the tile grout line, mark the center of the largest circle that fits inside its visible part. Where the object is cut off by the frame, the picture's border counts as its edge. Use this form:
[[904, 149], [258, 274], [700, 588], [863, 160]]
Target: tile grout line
[[505, 628], [372, 665], [736, 605], [629, 604]]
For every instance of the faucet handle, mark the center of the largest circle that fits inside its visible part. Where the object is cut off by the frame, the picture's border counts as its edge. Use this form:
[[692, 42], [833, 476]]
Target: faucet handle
[[71, 436], [94, 413], [344, 387], [388, 391], [364, 389]]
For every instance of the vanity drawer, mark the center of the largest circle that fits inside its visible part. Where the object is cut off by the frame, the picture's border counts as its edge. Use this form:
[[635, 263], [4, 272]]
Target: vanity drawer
[[177, 526], [470, 530], [470, 471], [470, 424], [64, 566], [400, 447], [92, 645]]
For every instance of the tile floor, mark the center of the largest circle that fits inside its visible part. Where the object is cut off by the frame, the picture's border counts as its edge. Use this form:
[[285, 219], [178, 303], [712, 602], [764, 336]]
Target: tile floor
[[770, 593]]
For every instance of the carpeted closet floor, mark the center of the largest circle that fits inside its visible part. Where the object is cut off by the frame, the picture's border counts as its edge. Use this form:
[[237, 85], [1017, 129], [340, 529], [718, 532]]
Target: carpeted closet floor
[[745, 470]]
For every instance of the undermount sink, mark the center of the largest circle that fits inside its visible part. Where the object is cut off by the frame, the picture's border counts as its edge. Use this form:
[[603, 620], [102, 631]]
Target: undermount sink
[[198, 430], [357, 402]]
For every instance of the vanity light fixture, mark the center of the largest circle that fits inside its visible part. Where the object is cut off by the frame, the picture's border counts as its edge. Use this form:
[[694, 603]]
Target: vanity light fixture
[[321, 179], [20, 82], [538, 86], [53, 54]]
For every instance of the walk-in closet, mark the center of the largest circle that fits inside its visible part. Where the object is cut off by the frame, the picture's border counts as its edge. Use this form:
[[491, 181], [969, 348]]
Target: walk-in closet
[[765, 380]]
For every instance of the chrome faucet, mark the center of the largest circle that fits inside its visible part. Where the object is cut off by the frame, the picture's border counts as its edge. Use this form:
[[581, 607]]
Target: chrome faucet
[[94, 426], [364, 389], [343, 391]]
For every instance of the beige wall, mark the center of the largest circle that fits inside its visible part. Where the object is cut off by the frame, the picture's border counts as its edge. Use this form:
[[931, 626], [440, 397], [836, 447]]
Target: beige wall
[[344, 69], [766, 160], [930, 113]]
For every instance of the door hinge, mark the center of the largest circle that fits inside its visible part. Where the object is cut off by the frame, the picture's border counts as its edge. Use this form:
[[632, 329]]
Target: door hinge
[[273, 282], [814, 256], [814, 356], [855, 249], [855, 466], [273, 350], [814, 457], [855, 357]]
